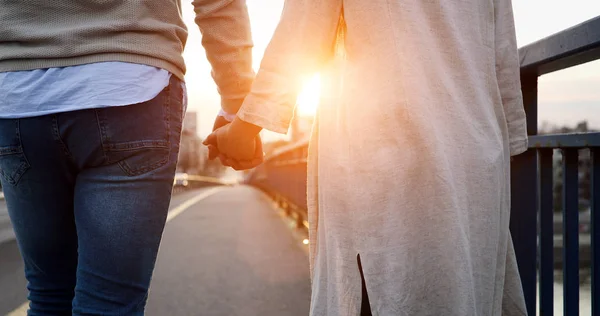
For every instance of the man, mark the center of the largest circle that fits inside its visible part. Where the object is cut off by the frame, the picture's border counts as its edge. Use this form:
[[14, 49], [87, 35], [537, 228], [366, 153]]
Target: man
[[91, 106]]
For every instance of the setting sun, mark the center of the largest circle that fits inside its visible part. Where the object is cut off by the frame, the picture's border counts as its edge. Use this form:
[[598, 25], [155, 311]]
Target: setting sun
[[309, 97]]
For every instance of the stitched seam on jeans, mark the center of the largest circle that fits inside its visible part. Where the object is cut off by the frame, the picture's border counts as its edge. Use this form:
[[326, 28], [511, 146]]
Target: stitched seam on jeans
[[138, 144], [102, 132], [19, 151], [58, 138], [17, 174], [25, 165], [136, 172], [10, 150], [167, 108]]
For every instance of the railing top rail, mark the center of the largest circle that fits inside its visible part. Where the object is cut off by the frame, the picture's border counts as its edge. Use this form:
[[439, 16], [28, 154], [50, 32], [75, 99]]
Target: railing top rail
[[574, 140], [285, 149], [571, 140], [574, 46]]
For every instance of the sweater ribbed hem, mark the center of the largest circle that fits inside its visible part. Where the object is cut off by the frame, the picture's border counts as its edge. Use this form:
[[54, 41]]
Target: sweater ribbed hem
[[31, 64]]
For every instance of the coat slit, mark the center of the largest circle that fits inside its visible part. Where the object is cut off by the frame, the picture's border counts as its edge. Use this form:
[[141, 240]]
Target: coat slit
[[365, 308]]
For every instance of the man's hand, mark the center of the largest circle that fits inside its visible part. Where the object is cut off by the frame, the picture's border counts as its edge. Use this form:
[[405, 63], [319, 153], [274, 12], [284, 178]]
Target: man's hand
[[238, 145]]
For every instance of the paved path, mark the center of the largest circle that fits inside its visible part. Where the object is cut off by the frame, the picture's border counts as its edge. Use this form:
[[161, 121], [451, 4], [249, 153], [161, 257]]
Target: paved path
[[226, 254], [6, 232]]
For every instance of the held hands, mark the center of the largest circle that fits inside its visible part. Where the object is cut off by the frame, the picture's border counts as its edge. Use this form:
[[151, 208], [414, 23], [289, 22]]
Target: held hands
[[237, 145]]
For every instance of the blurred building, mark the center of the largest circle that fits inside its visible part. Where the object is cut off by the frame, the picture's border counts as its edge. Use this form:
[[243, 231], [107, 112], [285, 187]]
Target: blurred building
[[191, 148], [193, 155]]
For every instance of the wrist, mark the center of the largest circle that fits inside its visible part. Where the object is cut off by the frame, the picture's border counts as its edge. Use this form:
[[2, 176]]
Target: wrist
[[247, 130]]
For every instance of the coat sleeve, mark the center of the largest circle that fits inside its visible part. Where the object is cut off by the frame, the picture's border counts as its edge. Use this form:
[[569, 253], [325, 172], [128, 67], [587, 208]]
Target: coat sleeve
[[226, 37], [508, 76], [303, 40]]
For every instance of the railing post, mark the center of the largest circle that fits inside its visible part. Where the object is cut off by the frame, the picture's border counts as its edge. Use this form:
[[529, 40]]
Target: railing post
[[546, 258], [595, 220], [570, 232], [524, 198]]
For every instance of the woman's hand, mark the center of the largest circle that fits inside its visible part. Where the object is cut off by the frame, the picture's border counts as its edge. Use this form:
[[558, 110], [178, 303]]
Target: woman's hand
[[239, 145]]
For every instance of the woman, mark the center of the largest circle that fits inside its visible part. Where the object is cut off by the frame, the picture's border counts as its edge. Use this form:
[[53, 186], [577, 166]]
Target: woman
[[410, 156]]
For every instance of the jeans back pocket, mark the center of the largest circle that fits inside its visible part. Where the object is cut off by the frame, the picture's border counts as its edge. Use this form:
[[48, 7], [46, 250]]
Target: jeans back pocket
[[13, 163], [136, 136]]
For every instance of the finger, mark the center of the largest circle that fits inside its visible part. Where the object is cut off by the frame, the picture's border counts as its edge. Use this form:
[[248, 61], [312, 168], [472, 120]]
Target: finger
[[230, 162], [213, 152], [257, 161], [211, 140], [223, 160], [244, 164], [236, 165]]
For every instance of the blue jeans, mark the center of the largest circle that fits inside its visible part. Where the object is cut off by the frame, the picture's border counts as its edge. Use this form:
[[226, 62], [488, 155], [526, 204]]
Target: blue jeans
[[88, 194]]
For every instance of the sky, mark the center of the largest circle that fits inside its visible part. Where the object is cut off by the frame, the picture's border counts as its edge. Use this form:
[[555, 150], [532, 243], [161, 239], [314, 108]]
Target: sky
[[565, 97]]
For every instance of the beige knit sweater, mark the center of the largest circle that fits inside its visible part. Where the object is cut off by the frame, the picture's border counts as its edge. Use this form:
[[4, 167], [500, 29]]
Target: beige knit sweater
[[57, 33]]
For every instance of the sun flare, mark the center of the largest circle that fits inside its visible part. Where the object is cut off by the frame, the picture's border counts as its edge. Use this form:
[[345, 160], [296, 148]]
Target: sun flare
[[308, 99]]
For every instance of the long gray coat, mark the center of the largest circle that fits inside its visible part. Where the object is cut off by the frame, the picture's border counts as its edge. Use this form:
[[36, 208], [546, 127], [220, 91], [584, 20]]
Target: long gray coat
[[410, 156]]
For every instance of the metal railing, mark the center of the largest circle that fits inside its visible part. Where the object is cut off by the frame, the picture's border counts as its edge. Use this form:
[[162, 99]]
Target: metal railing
[[283, 176], [532, 179]]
